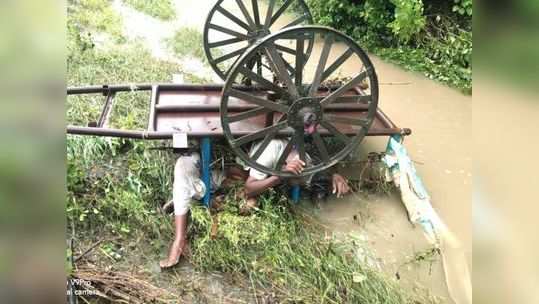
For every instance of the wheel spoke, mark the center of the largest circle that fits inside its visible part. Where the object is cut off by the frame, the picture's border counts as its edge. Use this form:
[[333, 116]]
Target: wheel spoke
[[350, 84], [258, 101], [248, 114], [319, 143], [269, 13], [347, 120], [255, 12], [229, 55], [266, 66], [233, 18], [262, 81], [259, 134], [337, 64], [279, 69], [280, 11], [285, 154], [348, 99], [232, 65], [331, 129], [300, 62], [288, 66], [300, 144], [296, 22], [354, 99], [269, 137], [245, 13], [321, 65], [228, 31], [259, 65], [224, 42], [252, 63], [285, 49]]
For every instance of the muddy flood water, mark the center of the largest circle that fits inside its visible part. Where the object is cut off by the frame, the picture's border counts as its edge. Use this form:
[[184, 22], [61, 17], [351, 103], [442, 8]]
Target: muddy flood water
[[440, 119]]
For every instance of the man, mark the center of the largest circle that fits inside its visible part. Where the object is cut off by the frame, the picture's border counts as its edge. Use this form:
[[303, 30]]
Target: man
[[187, 185]]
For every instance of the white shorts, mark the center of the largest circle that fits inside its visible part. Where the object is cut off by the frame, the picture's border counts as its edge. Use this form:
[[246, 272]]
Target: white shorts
[[187, 183]]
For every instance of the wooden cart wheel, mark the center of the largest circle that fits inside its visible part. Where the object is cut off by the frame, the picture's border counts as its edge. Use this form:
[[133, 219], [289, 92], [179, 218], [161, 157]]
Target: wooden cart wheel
[[298, 91], [232, 26]]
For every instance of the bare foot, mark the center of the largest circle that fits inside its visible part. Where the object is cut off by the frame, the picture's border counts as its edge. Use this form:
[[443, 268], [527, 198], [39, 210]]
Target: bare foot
[[176, 250]]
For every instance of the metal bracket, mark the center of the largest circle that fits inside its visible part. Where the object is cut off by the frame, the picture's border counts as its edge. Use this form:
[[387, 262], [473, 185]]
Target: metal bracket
[[179, 141]]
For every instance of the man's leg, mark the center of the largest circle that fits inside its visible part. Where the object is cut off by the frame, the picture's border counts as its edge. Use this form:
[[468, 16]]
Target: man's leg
[[186, 171], [179, 243]]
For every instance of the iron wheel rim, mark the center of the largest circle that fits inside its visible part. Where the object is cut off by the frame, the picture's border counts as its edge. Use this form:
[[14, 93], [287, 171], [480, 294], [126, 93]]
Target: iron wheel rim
[[230, 91], [208, 46]]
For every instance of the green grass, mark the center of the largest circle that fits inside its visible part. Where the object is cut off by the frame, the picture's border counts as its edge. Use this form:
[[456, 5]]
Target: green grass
[[284, 253], [94, 16], [115, 186], [187, 42], [129, 62], [162, 9]]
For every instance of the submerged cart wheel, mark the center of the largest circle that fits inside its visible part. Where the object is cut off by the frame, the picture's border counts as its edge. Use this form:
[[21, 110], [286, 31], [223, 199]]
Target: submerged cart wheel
[[234, 25], [303, 91]]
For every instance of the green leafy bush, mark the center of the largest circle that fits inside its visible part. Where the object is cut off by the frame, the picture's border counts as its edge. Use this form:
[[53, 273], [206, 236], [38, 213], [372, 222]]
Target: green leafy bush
[[463, 7], [376, 16], [339, 13], [409, 19], [426, 36]]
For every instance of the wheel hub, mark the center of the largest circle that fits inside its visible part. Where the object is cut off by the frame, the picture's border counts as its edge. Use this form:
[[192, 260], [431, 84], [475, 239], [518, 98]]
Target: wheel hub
[[305, 113], [257, 35]]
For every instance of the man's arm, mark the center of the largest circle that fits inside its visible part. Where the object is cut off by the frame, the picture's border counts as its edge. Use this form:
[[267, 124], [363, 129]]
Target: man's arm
[[254, 187]]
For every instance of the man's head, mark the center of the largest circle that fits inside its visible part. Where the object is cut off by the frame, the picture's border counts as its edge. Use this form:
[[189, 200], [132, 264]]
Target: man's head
[[309, 122]]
